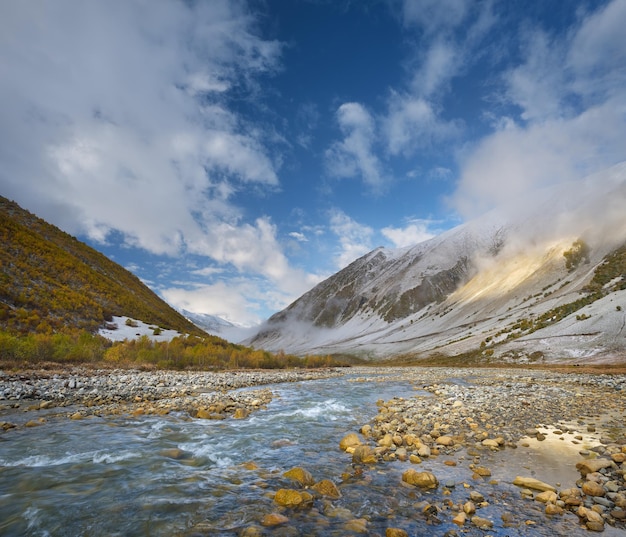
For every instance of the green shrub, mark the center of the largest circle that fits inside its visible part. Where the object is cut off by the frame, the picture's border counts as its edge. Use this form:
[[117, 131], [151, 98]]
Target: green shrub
[[578, 253]]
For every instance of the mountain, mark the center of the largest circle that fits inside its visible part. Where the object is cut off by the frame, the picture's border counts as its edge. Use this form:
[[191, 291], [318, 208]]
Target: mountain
[[50, 281], [542, 279], [217, 326], [211, 324]]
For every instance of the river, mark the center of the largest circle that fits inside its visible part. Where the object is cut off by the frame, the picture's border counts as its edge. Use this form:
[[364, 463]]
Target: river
[[176, 476]]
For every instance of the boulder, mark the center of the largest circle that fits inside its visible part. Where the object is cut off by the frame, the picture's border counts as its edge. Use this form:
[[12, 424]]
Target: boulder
[[588, 466], [532, 483], [591, 488], [460, 519], [350, 440], [445, 441], [482, 471], [553, 509], [547, 496], [425, 480]]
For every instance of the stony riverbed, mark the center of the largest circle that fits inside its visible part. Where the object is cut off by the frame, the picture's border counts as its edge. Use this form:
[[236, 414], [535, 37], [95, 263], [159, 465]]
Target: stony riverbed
[[88, 392], [467, 448], [462, 415]]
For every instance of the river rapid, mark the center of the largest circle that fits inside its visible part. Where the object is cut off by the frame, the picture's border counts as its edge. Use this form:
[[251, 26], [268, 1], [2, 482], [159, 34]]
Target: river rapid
[[174, 475]]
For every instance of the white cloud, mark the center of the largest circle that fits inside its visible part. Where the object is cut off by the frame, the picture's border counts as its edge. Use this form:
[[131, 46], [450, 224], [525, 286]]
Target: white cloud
[[300, 237], [434, 15], [516, 160], [108, 119], [597, 54], [233, 302], [354, 155], [451, 31], [536, 86], [354, 238], [573, 105], [440, 64], [412, 123], [116, 117], [414, 232]]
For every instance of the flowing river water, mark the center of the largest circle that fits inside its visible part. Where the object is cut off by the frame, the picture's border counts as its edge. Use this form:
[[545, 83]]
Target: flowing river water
[[177, 476]]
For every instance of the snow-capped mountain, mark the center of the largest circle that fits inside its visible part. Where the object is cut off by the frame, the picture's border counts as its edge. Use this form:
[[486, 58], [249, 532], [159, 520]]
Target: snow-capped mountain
[[217, 326], [524, 282], [209, 323]]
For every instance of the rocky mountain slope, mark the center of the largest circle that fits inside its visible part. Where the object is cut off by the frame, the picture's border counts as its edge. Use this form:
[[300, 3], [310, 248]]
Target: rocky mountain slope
[[542, 279], [50, 281]]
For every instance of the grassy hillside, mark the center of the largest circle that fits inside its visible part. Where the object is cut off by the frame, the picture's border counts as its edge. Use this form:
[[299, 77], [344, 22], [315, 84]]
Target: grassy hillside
[[50, 281]]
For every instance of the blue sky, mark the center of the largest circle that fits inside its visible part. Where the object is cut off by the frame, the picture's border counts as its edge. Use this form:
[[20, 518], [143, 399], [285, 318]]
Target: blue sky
[[232, 154]]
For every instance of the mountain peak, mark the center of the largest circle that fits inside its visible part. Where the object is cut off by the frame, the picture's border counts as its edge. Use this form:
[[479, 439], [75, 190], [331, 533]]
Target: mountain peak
[[490, 288]]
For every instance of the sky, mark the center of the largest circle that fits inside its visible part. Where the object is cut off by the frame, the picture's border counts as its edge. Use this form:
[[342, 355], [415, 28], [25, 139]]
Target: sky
[[232, 154]]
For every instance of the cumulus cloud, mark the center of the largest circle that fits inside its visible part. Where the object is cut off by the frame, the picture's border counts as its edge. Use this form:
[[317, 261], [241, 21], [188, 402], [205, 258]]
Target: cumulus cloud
[[354, 155], [414, 232], [572, 119], [355, 239]]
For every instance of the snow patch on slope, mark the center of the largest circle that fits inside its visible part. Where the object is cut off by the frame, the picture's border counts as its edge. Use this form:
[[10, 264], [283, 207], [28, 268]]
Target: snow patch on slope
[[124, 331]]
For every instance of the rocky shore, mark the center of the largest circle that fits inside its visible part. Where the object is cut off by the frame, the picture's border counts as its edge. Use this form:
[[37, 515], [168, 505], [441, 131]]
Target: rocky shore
[[461, 416], [80, 392]]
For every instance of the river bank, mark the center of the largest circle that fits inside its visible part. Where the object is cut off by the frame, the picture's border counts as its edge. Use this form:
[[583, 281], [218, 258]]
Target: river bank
[[411, 450], [89, 391]]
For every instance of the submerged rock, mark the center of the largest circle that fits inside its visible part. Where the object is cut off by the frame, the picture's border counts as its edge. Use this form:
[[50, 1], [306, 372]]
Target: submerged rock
[[288, 497], [351, 440], [302, 476], [270, 520], [327, 488]]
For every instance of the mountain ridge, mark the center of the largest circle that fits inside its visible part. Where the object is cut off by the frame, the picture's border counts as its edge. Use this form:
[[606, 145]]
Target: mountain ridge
[[462, 292]]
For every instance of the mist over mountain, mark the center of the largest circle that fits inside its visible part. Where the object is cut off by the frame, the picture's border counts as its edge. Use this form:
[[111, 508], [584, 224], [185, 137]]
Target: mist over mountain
[[540, 279]]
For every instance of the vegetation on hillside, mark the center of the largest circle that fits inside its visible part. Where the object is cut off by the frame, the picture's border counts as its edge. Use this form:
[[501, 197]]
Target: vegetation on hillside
[[56, 292], [578, 253], [50, 281], [184, 352]]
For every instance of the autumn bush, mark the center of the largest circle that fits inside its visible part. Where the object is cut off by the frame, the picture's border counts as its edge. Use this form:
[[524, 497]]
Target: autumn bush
[[184, 352]]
